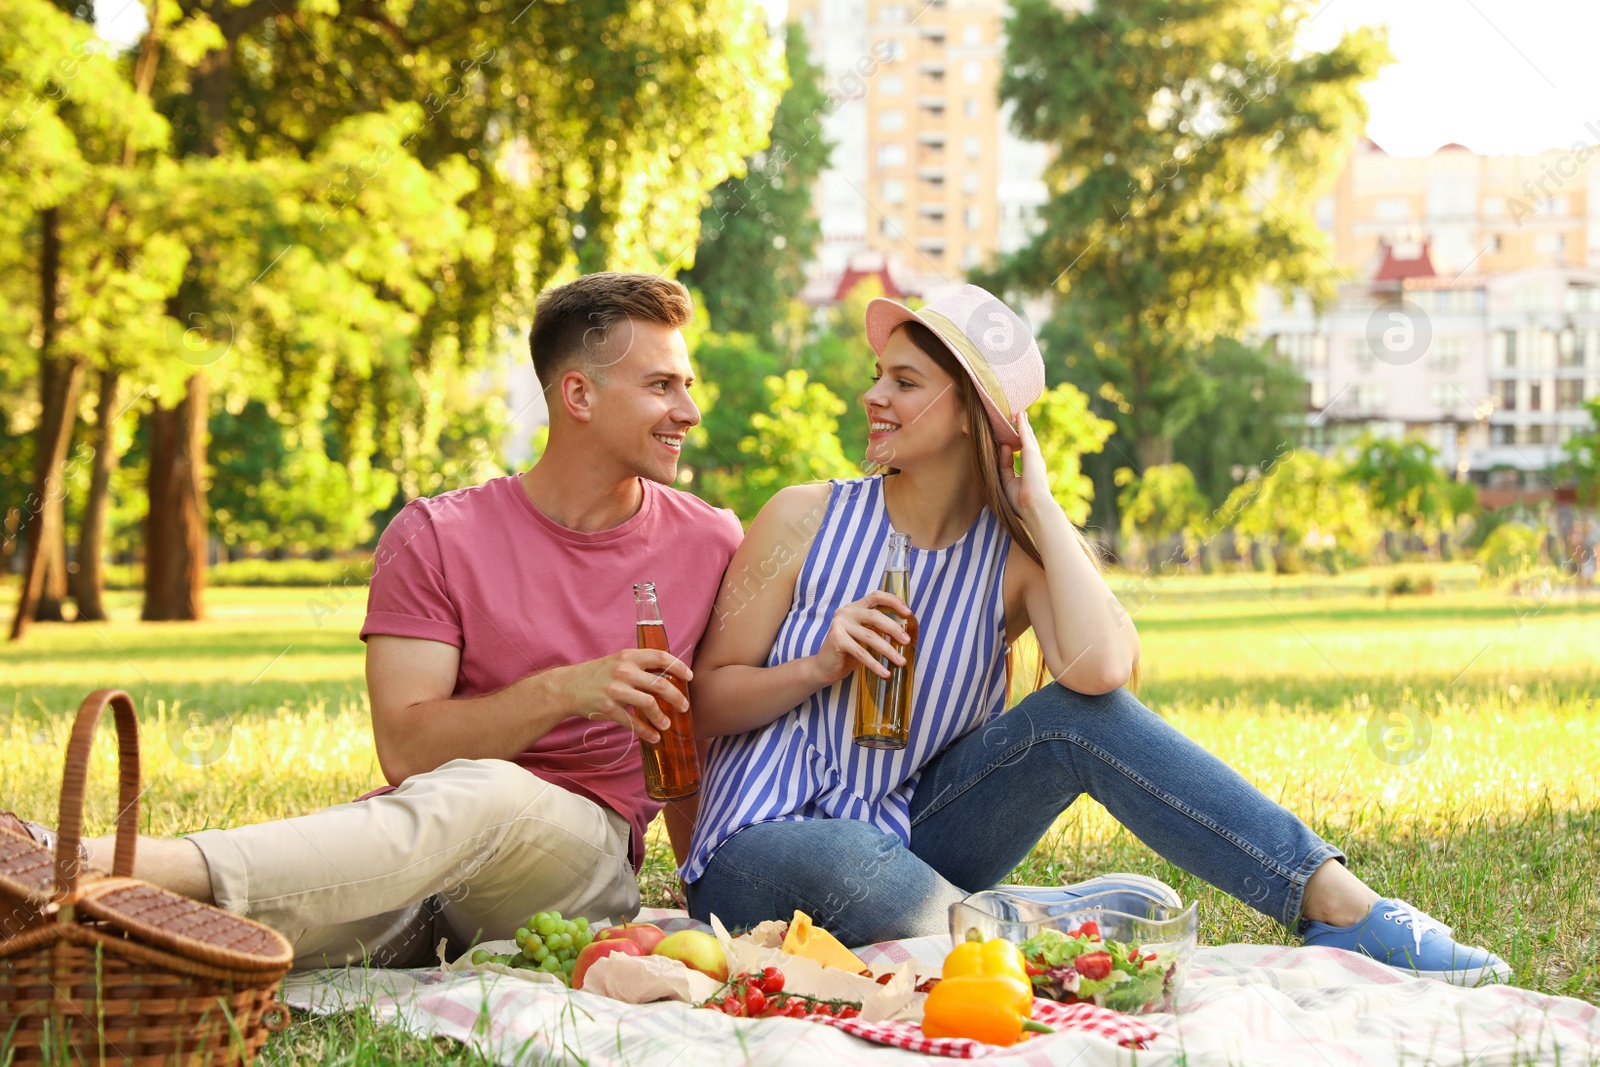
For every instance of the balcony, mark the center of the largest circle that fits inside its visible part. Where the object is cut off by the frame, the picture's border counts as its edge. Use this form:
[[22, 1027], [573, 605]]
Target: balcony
[[931, 211], [933, 139], [934, 104], [932, 175], [933, 68]]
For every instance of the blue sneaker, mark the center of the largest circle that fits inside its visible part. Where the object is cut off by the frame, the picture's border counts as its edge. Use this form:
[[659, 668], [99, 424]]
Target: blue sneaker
[[1397, 934]]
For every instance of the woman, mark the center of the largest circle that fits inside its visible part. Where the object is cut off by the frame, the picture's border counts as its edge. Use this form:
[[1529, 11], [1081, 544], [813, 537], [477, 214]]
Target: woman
[[877, 844]]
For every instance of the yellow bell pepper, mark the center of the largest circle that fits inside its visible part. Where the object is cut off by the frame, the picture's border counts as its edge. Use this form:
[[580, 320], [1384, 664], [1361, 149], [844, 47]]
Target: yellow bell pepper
[[998, 956], [984, 995], [984, 1007]]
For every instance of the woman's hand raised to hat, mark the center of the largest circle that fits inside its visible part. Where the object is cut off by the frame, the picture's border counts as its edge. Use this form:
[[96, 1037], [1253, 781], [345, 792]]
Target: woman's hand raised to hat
[[1031, 488]]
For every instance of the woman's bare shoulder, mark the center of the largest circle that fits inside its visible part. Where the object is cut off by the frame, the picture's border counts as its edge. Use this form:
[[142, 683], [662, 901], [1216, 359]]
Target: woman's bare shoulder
[[794, 507]]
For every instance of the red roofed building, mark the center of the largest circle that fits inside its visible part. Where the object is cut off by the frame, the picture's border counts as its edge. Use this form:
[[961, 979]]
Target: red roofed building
[[854, 276], [1409, 259]]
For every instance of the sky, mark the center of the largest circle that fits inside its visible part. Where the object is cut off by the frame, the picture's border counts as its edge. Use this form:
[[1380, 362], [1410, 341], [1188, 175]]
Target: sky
[[1503, 77]]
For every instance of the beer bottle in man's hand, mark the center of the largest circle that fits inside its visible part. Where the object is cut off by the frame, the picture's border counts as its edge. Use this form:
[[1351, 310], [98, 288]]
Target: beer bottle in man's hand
[[671, 765]]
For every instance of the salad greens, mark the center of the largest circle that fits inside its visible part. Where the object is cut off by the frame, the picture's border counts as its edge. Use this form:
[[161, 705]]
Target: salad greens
[[1079, 965]]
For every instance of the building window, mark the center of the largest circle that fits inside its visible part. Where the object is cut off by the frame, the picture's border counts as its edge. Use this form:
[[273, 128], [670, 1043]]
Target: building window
[[1504, 349], [890, 226], [1535, 396], [892, 13], [1571, 354], [1446, 395], [892, 155], [972, 34], [1550, 244], [972, 219], [1532, 435], [1369, 397], [1303, 351], [971, 145], [1445, 353], [892, 120], [1569, 395], [1505, 395], [891, 85], [970, 257], [894, 192], [1392, 209], [1505, 435], [969, 182], [892, 49], [972, 71], [971, 107]]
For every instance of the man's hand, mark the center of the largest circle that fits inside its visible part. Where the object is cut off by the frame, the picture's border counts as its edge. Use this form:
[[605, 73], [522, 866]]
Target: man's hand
[[418, 724], [625, 686]]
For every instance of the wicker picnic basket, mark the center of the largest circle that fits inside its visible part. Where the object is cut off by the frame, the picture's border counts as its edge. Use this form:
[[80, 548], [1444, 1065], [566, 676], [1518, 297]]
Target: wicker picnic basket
[[106, 969]]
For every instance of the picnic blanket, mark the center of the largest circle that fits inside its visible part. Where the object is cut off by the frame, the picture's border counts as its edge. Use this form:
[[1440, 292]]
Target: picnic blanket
[[1243, 1004]]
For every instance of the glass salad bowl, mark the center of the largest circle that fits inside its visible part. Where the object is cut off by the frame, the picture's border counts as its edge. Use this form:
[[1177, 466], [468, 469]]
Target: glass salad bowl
[[1120, 948]]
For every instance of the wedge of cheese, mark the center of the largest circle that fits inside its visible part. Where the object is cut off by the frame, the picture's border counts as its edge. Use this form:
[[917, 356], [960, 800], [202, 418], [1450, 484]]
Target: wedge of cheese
[[815, 943]]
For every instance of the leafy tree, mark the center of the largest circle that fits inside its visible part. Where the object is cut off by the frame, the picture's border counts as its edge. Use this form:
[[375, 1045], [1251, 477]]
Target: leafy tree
[[1190, 140], [1514, 553], [1406, 486], [839, 356], [1251, 403], [1304, 504], [353, 203], [73, 125], [794, 441], [1066, 430], [1159, 505], [732, 371], [1582, 463], [759, 232]]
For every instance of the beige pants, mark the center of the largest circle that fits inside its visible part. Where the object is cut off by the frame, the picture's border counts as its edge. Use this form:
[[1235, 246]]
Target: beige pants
[[466, 852]]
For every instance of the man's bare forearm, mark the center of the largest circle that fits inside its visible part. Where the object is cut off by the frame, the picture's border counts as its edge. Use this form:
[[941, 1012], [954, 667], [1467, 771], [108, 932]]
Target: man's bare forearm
[[496, 725]]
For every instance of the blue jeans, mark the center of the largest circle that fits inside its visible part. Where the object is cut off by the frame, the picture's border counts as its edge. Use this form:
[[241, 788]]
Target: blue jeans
[[983, 803]]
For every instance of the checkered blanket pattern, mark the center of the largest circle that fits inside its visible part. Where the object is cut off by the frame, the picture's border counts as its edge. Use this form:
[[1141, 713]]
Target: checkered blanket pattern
[[1124, 1030]]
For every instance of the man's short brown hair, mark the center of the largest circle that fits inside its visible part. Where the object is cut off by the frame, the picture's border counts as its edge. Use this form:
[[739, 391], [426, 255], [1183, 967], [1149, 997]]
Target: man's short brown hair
[[576, 319]]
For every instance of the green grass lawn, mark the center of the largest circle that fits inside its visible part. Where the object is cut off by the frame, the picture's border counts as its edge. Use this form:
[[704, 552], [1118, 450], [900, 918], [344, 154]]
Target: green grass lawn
[[1316, 689]]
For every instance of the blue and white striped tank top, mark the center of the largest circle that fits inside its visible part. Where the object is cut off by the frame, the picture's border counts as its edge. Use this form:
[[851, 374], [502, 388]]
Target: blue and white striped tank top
[[806, 765]]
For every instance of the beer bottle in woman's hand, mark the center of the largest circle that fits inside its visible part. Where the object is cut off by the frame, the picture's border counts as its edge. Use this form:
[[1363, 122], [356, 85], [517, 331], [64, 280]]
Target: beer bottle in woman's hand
[[883, 705], [671, 765]]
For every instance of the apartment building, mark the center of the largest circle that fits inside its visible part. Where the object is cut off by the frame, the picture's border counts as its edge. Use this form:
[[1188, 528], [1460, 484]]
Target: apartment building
[[1469, 310], [1478, 214], [1493, 370], [927, 181]]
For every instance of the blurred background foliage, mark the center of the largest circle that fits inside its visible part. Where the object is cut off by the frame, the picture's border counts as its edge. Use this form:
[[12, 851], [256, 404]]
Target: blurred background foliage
[[267, 264]]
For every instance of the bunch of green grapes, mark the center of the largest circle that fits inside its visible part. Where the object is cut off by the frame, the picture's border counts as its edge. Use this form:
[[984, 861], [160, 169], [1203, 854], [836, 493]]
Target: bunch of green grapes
[[546, 942]]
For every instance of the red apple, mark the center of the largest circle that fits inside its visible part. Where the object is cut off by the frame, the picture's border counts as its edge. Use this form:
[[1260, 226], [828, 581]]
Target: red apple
[[646, 935], [696, 950], [596, 950]]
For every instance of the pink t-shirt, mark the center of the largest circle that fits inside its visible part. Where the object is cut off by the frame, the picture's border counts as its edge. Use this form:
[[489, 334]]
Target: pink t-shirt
[[486, 571]]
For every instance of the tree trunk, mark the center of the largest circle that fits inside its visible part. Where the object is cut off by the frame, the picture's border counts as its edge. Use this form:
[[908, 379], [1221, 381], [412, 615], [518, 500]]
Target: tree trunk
[[59, 381], [175, 528], [1152, 452], [90, 588]]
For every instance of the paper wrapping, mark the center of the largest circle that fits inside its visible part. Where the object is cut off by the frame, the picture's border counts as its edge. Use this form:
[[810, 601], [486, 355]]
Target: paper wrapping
[[645, 979]]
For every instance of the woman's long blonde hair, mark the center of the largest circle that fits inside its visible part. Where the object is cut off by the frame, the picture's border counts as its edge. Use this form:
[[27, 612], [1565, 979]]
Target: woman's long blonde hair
[[985, 468]]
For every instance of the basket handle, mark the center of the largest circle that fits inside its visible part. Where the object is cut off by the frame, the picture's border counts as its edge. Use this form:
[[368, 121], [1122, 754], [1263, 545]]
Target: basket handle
[[70, 828]]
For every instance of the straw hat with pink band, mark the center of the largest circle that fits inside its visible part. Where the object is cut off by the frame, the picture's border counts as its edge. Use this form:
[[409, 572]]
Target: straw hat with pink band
[[987, 338]]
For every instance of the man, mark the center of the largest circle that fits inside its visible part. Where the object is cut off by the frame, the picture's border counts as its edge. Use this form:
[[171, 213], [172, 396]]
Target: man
[[506, 692]]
